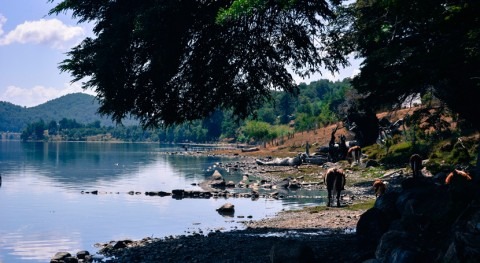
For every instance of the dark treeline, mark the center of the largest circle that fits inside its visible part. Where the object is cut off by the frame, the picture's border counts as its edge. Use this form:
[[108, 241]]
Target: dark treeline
[[318, 103]]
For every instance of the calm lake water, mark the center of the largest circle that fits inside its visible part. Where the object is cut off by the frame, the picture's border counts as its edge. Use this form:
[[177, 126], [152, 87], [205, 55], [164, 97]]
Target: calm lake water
[[43, 209]]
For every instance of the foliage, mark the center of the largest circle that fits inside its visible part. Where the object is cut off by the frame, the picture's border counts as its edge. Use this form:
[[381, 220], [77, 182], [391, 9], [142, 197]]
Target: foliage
[[452, 153], [415, 47], [171, 62], [34, 130], [374, 151], [399, 153], [257, 130], [62, 113], [78, 106]]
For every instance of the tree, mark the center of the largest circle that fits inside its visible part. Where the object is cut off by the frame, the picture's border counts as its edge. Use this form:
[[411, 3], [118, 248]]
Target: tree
[[257, 130], [213, 125], [414, 47], [286, 107], [52, 127], [168, 62]]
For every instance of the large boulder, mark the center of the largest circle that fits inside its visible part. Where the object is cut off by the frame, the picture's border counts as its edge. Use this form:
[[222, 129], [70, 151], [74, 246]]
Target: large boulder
[[398, 247], [423, 222], [370, 228], [465, 244]]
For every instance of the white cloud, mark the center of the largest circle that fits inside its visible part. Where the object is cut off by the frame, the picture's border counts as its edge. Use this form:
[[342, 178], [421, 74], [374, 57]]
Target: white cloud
[[2, 22], [38, 94], [52, 32]]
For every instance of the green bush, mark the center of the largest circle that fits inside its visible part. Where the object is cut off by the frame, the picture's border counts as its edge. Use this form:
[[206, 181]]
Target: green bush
[[459, 155], [398, 154], [374, 151]]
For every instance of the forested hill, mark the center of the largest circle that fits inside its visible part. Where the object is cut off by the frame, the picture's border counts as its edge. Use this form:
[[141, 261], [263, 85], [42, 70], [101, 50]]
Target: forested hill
[[78, 106]]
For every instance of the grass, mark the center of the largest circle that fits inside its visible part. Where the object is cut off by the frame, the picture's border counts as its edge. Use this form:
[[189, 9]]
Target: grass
[[355, 207], [362, 206], [372, 172]]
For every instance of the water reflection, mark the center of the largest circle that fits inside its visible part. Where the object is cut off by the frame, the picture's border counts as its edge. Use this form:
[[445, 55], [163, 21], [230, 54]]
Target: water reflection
[[37, 246], [44, 210]]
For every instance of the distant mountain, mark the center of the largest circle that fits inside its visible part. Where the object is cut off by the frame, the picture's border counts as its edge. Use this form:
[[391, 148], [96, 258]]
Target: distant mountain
[[78, 106]]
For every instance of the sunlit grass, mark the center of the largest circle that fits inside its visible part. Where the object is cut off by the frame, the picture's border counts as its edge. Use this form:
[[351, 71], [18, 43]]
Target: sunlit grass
[[362, 206], [365, 205]]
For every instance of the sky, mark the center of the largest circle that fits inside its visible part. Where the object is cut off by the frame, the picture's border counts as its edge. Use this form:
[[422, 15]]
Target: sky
[[33, 43]]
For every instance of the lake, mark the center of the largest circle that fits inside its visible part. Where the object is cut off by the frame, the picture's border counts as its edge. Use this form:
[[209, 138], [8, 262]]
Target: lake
[[44, 207]]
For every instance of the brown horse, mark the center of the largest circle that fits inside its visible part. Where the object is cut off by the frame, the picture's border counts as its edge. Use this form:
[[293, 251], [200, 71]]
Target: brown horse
[[457, 176], [416, 165], [460, 188], [335, 182], [355, 152], [379, 187]]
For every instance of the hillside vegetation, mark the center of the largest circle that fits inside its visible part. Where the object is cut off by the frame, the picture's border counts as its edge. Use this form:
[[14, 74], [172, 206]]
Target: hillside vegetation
[[315, 105], [78, 106], [454, 147]]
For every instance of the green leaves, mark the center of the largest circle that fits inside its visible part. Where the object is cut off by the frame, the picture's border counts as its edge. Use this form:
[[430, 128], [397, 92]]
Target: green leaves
[[411, 47], [169, 62], [239, 8]]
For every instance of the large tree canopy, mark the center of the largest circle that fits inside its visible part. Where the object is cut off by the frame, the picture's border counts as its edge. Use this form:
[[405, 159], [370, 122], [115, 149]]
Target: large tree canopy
[[412, 47], [167, 62]]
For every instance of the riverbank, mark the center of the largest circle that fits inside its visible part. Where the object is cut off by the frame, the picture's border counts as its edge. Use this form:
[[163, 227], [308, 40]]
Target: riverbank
[[289, 237], [309, 235], [317, 233]]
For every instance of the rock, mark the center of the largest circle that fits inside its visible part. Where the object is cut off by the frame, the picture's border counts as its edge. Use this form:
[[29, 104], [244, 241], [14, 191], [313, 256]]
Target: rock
[[370, 228], [159, 193], [178, 192], [226, 210], [387, 204], [294, 184], [371, 163], [122, 244], [217, 175], [465, 245], [60, 257], [283, 184], [82, 254], [216, 180], [228, 207], [397, 247], [440, 177]]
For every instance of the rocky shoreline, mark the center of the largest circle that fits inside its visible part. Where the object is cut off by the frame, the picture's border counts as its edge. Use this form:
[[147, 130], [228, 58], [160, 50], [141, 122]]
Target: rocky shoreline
[[299, 230], [418, 219], [290, 237]]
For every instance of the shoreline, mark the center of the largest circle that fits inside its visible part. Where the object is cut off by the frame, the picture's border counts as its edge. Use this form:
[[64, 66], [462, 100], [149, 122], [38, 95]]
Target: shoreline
[[318, 223]]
